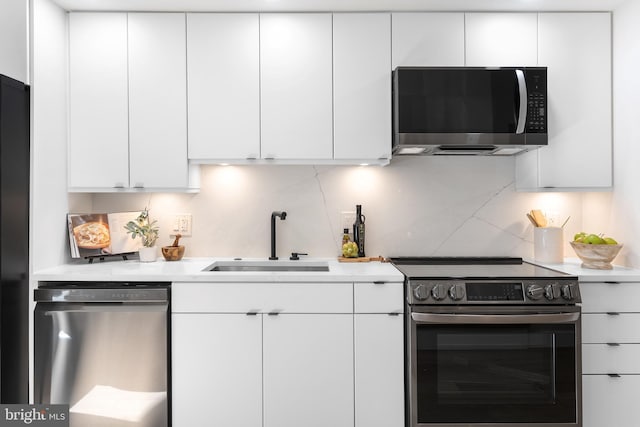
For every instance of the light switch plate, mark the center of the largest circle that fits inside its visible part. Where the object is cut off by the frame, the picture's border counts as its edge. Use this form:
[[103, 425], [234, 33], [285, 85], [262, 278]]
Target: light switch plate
[[181, 224]]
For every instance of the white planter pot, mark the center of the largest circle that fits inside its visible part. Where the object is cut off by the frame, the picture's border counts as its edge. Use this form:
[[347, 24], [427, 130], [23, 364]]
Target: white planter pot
[[147, 254]]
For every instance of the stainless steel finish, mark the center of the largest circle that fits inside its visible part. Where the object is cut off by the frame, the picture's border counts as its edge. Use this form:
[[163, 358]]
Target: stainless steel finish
[[456, 292], [124, 295], [438, 292], [267, 266], [568, 314], [487, 293], [535, 292], [96, 352], [491, 319], [522, 111]]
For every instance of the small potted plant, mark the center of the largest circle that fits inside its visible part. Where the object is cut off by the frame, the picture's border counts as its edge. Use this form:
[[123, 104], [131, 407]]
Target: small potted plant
[[148, 232]]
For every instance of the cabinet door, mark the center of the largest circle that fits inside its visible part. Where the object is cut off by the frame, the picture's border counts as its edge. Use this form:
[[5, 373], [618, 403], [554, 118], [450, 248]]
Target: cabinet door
[[296, 86], [224, 85], [608, 401], [361, 79], [216, 365], [576, 48], [610, 328], [98, 101], [501, 39], [610, 297], [157, 100], [611, 359], [427, 39], [308, 370], [379, 370]]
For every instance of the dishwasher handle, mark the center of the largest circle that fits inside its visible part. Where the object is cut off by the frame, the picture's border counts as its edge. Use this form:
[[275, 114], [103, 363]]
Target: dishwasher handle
[[103, 295]]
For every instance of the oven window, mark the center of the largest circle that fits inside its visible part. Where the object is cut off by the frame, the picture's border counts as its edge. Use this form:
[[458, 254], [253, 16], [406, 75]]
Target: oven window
[[496, 373]]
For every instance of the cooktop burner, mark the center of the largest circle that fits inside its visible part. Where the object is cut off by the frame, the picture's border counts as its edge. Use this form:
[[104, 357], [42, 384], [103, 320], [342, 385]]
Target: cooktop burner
[[480, 280]]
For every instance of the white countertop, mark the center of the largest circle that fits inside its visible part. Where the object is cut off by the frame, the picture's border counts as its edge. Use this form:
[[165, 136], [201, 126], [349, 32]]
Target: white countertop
[[617, 274], [190, 270]]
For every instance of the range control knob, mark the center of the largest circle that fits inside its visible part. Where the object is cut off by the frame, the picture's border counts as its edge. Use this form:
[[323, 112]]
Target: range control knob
[[456, 292], [438, 292], [421, 293], [568, 292], [552, 291], [535, 292]]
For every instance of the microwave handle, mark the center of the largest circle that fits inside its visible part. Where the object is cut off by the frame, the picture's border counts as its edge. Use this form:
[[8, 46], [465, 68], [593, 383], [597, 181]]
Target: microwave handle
[[496, 319], [522, 110]]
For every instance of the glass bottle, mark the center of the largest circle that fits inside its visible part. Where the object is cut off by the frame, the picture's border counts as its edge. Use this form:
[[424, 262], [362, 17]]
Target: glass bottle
[[358, 230]]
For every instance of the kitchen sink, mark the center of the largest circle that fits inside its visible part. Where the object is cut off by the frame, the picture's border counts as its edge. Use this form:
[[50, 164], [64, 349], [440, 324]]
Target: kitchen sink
[[252, 266]]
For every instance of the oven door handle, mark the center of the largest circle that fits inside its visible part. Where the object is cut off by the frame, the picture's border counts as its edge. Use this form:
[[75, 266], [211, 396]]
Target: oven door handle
[[495, 319]]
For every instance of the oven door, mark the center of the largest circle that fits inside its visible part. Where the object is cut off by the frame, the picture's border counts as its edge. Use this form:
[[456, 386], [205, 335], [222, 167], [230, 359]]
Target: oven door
[[494, 366]]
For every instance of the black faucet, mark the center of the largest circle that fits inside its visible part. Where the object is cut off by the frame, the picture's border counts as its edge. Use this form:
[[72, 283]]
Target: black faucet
[[283, 216]]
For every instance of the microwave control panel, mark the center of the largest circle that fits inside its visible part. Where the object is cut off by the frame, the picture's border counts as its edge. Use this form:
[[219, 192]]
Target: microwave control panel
[[537, 100]]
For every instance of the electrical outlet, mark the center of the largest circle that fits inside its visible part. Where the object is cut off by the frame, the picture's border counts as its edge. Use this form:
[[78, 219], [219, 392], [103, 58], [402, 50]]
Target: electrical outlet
[[181, 224], [347, 220]]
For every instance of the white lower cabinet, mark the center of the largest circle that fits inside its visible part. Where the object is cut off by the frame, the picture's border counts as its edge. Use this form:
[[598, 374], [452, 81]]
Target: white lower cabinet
[[610, 401], [308, 370], [379, 370], [610, 354], [216, 370], [287, 355]]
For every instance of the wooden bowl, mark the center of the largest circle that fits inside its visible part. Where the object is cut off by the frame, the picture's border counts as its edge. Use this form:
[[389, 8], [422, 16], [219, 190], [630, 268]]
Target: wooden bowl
[[173, 253], [598, 257]]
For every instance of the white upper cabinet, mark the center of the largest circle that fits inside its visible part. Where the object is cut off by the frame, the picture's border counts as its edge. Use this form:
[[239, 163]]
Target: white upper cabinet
[[576, 48], [98, 101], [362, 86], [501, 39], [296, 86], [223, 60], [427, 39], [157, 100]]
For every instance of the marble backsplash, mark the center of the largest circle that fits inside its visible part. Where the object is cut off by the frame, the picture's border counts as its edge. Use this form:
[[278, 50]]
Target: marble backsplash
[[414, 206]]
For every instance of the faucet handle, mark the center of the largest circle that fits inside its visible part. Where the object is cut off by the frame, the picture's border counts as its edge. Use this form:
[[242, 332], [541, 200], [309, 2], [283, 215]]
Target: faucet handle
[[294, 256]]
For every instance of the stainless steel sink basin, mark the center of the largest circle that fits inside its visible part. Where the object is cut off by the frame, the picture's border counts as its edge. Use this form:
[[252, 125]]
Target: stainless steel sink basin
[[252, 266]]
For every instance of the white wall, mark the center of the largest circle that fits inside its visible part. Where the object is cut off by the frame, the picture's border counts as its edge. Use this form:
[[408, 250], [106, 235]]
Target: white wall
[[13, 39], [618, 213], [414, 206]]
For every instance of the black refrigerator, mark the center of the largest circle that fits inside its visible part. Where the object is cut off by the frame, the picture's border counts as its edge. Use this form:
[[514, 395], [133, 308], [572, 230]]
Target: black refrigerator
[[14, 241]]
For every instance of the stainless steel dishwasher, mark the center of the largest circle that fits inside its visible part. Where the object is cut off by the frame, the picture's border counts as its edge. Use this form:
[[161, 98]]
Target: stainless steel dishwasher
[[103, 349]]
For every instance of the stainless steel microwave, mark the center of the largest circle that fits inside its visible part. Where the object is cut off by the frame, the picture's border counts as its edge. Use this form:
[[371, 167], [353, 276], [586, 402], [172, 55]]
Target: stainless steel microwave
[[469, 110]]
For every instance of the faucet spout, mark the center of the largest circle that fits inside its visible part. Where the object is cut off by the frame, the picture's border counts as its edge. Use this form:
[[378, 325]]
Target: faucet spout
[[282, 215]]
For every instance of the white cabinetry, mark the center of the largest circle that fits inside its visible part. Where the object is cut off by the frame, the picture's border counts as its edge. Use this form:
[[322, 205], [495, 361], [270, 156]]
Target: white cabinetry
[[300, 342], [501, 39], [98, 101], [127, 82], [288, 354], [576, 48], [379, 355], [361, 86], [427, 39], [157, 100], [308, 370], [296, 86], [223, 57], [610, 353]]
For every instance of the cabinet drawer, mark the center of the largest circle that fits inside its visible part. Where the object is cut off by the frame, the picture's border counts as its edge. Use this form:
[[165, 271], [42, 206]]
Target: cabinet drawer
[[606, 328], [262, 297], [605, 297], [608, 359], [610, 401], [378, 297]]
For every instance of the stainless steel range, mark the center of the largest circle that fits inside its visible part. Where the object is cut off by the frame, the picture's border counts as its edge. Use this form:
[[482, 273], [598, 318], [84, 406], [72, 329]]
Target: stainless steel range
[[491, 342]]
